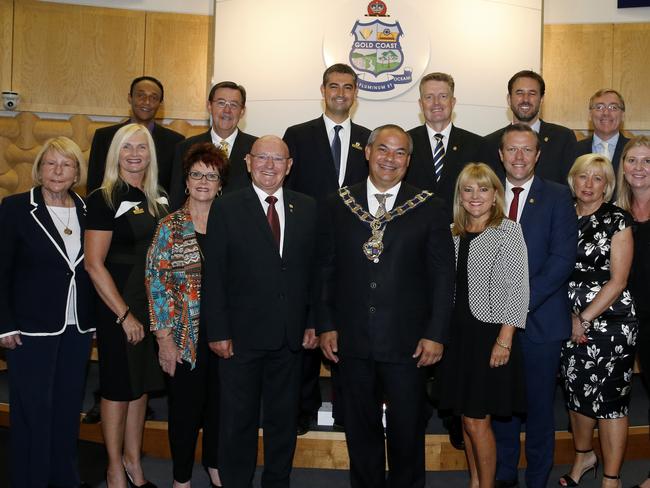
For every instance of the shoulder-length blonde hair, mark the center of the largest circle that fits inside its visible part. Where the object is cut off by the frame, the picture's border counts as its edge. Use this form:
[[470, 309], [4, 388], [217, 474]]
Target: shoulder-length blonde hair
[[593, 161], [112, 179], [624, 194], [65, 147], [482, 175]]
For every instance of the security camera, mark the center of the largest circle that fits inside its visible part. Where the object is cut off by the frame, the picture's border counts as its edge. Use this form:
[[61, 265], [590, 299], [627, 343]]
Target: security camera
[[10, 100]]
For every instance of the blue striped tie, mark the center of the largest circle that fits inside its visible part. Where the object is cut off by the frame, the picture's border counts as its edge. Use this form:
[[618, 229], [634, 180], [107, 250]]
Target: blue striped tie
[[438, 154]]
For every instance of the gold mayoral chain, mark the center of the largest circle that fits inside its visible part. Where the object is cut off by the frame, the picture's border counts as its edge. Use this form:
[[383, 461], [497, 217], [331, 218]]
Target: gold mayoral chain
[[374, 246]]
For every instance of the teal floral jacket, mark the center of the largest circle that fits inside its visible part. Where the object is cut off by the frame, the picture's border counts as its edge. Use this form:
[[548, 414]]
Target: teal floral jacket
[[173, 281]]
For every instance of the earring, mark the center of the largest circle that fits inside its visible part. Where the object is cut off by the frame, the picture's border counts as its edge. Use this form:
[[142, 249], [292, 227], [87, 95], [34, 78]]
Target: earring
[[219, 192], [187, 191]]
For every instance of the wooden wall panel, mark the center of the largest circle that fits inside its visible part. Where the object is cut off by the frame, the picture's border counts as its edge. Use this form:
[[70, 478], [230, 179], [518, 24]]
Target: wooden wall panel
[[632, 71], [6, 33], [177, 52], [577, 61], [75, 59]]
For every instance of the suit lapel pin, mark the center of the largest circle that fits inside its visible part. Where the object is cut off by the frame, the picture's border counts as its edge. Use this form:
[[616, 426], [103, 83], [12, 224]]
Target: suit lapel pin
[[291, 207], [531, 200], [357, 145], [455, 148], [546, 139]]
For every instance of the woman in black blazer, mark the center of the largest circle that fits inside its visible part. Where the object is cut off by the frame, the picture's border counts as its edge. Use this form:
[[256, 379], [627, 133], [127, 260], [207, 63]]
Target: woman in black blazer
[[46, 298]]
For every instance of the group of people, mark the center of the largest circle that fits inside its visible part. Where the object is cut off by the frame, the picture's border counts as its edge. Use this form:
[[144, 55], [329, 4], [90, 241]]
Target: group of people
[[222, 267]]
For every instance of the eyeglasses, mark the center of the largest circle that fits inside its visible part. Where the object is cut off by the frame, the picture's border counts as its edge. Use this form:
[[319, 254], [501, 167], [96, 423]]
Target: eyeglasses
[[265, 158], [197, 175], [601, 107], [221, 103]]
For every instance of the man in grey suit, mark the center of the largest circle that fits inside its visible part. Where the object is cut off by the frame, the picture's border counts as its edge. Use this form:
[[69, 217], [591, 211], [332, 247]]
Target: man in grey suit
[[328, 153], [227, 105], [607, 112], [440, 149]]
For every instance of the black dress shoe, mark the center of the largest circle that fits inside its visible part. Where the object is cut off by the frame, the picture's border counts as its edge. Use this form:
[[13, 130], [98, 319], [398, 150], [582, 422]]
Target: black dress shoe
[[305, 422], [506, 483], [93, 415], [131, 483]]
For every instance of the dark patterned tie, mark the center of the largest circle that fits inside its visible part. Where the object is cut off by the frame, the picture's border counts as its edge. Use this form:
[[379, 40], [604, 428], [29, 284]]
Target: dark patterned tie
[[381, 198], [438, 154], [272, 217], [336, 149], [514, 205]]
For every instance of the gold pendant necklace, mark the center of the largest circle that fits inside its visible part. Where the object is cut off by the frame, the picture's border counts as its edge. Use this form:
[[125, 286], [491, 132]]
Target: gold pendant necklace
[[66, 227]]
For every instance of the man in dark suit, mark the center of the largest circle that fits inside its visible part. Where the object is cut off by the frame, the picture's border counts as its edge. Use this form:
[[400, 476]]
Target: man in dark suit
[[387, 293], [145, 97], [558, 144], [321, 165], [227, 105], [259, 267], [607, 111], [549, 223], [440, 149]]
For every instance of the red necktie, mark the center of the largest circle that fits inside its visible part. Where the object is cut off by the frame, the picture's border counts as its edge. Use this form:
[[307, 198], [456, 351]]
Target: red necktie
[[514, 205], [272, 217]]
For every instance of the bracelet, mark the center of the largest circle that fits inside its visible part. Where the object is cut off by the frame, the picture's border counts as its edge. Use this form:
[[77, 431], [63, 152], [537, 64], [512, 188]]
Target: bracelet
[[119, 320], [503, 344], [583, 322]]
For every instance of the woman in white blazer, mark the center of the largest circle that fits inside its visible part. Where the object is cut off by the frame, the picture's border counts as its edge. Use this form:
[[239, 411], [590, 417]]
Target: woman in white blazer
[[481, 372]]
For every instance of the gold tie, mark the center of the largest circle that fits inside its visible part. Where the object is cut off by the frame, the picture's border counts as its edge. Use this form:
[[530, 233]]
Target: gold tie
[[381, 198], [224, 146]]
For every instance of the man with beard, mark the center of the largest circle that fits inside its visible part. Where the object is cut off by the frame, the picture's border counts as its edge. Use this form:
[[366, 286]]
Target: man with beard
[[558, 144]]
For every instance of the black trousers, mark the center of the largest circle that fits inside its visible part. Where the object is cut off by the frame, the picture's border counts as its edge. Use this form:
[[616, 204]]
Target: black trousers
[[46, 384], [193, 398], [368, 384], [248, 380]]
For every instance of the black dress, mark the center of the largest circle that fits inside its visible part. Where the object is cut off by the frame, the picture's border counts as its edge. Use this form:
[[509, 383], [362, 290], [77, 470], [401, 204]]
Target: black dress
[[597, 374], [126, 371], [469, 386]]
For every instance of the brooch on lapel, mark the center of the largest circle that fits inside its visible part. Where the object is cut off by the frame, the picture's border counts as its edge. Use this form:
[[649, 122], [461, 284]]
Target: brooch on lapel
[[137, 210], [357, 145], [290, 207], [455, 148], [531, 200], [546, 139]]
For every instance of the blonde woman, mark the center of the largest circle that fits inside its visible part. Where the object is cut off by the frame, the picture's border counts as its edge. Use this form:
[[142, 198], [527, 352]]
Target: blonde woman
[[482, 371], [122, 218]]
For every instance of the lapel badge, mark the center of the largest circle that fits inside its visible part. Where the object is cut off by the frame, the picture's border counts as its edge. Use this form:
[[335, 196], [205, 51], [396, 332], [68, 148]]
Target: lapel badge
[[357, 145], [291, 207], [455, 148], [137, 210], [531, 200], [546, 139]]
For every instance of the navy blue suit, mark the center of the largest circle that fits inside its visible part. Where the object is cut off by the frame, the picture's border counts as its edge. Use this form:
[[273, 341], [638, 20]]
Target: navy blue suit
[[549, 224], [46, 372]]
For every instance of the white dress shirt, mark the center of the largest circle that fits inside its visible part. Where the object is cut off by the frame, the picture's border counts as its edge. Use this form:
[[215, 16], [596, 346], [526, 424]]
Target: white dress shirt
[[445, 137], [598, 148], [216, 139], [279, 208], [373, 203], [523, 196], [344, 135]]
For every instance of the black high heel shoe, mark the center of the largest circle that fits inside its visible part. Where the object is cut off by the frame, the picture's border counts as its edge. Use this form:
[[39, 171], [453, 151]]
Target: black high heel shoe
[[131, 483], [566, 480]]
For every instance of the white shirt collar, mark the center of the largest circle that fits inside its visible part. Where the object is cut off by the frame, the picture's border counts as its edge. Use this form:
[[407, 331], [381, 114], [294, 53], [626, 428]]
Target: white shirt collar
[[329, 124], [216, 139], [445, 132], [612, 141]]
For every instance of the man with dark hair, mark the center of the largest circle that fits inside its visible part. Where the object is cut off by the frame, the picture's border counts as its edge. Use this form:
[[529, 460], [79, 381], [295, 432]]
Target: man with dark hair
[[558, 144], [145, 97], [328, 153], [549, 224], [388, 285], [440, 149], [607, 112], [227, 105]]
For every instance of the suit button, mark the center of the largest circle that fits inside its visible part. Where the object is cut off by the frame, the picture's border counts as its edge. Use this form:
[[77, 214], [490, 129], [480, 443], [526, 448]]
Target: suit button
[[373, 285], [373, 309], [281, 296]]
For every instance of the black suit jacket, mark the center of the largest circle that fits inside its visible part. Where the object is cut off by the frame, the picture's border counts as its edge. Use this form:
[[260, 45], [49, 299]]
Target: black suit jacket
[[35, 271], [238, 177], [313, 170], [558, 152], [250, 294], [164, 139], [381, 310], [585, 147], [464, 147]]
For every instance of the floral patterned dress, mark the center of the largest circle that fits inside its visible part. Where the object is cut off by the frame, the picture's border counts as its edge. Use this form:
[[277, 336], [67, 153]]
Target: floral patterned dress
[[597, 374]]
